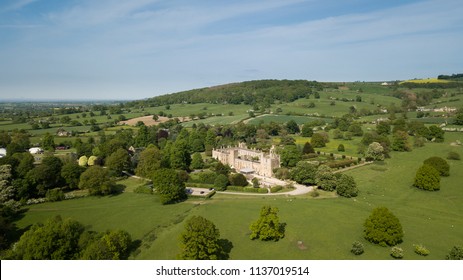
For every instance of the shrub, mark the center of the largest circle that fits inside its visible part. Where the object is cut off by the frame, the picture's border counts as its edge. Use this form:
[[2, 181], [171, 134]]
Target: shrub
[[397, 252], [453, 156], [427, 178], [357, 248], [341, 148], [55, 195], [314, 193], [421, 250], [383, 228], [221, 182], [206, 177], [456, 253], [439, 164], [346, 186], [238, 179], [275, 189]]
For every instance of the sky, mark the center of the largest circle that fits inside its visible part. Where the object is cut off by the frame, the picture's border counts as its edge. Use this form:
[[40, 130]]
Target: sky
[[136, 49]]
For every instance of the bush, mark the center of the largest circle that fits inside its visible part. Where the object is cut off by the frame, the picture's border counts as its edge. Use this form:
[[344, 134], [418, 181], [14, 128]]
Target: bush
[[383, 228], [453, 156], [357, 248], [346, 186], [55, 195], [221, 182], [456, 253], [421, 250], [439, 164], [238, 179], [341, 148], [206, 177], [397, 252], [275, 189], [427, 178]]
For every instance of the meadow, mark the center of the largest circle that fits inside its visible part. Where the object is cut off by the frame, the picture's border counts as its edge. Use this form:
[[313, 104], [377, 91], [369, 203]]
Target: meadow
[[326, 226]]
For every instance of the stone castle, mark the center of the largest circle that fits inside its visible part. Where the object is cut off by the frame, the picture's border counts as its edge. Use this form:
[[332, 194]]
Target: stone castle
[[248, 161]]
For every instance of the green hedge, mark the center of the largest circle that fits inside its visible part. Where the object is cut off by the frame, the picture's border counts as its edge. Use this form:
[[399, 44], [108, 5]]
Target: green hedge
[[249, 190]]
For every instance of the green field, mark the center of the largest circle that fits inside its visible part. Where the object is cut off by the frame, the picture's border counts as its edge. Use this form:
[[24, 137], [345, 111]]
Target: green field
[[326, 226]]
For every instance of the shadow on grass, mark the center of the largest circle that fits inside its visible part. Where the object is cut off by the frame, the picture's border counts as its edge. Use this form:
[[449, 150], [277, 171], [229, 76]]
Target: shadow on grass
[[227, 246]]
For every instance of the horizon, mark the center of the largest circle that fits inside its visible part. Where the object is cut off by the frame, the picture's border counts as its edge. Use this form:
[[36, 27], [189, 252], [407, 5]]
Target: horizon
[[132, 50]]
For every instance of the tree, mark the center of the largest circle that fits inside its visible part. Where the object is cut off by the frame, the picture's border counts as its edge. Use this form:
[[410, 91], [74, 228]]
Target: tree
[[346, 186], [383, 228], [255, 182], [197, 161], [439, 164], [304, 173], [289, 156], [149, 161], [375, 152], [436, 133], [48, 142], [57, 239], [71, 172], [168, 185], [268, 226], [456, 253], [119, 161], [221, 168], [383, 128], [200, 240], [400, 142], [459, 117], [238, 179], [355, 129], [112, 245], [221, 182], [307, 130], [47, 175], [317, 141], [325, 178], [292, 127], [97, 181], [308, 149], [83, 160], [427, 178], [180, 157], [26, 163]]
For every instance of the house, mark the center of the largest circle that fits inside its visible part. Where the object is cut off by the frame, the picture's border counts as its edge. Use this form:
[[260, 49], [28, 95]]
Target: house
[[248, 161]]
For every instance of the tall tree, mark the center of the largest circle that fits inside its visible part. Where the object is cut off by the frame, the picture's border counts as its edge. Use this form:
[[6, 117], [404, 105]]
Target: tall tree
[[97, 181], [200, 240], [48, 142], [119, 161], [268, 226], [180, 157], [150, 160], [168, 185], [57, 239]]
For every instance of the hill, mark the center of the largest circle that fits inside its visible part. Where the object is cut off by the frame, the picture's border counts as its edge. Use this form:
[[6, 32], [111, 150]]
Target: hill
[[249, 92]]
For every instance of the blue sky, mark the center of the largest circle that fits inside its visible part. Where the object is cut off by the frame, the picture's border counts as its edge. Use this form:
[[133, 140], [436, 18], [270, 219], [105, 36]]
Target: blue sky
[[117, 49]]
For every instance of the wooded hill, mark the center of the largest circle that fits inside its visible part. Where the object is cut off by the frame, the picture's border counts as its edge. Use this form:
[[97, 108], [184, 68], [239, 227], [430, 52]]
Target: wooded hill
[[250, 92]]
